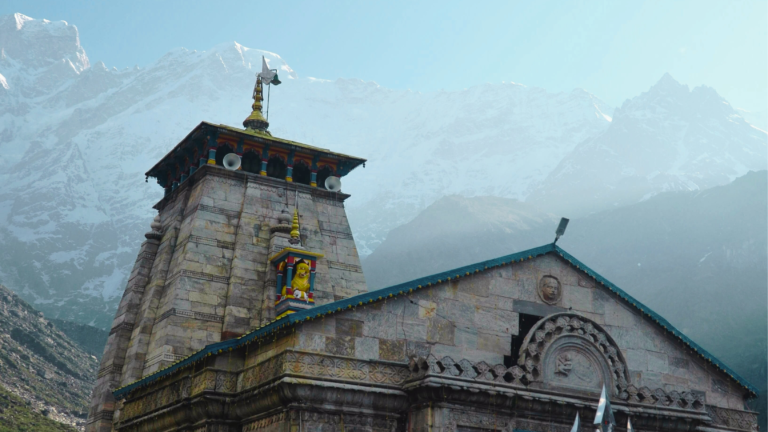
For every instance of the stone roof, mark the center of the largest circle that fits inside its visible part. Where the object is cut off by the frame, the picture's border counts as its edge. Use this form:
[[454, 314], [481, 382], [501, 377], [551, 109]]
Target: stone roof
[[424, 282]]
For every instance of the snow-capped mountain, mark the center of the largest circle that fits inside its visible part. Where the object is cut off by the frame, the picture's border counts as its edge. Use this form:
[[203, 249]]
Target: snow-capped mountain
[[76, 139], [667, 139]]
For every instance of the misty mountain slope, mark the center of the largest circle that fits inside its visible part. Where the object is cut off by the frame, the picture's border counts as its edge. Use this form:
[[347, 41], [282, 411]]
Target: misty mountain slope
[[703, 250], [456, 231], [668, 138], [698, 258], [42, 366], [700, 252], [77, 139], [90, 339]]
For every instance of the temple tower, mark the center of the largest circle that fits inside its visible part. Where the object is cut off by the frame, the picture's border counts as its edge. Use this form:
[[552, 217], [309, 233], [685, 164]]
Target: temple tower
[[230, 249]]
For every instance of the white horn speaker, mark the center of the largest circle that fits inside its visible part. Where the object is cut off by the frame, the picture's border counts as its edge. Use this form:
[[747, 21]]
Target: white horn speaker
[[333, 184], [231, 161]]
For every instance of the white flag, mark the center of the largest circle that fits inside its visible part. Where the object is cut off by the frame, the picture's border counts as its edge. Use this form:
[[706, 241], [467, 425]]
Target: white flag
[[575, 427], [629, 426], [604, 415], [266, 74], [600, 408]]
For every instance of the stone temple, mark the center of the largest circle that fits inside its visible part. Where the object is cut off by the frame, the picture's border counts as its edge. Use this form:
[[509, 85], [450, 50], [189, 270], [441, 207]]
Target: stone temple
[[247, 310]]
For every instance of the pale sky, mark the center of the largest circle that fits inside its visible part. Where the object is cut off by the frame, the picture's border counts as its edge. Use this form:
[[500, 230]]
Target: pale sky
[[613, 49]]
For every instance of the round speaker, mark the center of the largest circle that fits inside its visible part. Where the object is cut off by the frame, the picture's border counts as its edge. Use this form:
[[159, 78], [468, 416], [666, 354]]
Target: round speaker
[[231, 161], [333, 184]]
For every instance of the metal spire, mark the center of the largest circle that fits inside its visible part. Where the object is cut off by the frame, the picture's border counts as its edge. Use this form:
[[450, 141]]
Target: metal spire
[[295, 239], [256, 121]]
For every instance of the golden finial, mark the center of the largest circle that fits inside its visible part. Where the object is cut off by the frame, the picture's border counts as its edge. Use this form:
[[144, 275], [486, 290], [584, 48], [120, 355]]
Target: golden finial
[[256, 121], [295, 225]]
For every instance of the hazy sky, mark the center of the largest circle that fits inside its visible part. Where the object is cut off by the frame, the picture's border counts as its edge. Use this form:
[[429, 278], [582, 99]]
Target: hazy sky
[[614, 49]]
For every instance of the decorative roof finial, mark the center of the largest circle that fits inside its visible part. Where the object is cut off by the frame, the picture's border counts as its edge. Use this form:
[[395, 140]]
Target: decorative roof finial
[[256, 121], [295, 228], [157, 229]]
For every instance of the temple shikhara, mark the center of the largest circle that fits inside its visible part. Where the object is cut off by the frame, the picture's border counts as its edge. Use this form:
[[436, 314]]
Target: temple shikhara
[[247, 310]]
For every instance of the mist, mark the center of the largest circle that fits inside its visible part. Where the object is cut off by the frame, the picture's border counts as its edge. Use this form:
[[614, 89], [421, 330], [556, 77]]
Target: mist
[[664, 181]]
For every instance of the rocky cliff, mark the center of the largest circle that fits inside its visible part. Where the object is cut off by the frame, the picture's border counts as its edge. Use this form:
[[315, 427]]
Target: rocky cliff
[[41, 366]]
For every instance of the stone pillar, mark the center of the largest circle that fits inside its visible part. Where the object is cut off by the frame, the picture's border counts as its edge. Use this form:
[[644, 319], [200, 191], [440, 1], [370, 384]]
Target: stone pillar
[[289, 164], [429, 417], [239, 152], [264, 160], [102, 402], [313, 171], [212, 145]]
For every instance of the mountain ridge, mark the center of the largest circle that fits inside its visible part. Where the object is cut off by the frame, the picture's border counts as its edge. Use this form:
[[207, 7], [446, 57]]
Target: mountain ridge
[[668, 138], [74, 206], [76, 154]]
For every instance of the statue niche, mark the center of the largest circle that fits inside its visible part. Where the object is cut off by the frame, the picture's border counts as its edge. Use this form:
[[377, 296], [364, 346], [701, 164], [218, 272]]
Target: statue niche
[[571, 351], [295, 288], [300, 283]]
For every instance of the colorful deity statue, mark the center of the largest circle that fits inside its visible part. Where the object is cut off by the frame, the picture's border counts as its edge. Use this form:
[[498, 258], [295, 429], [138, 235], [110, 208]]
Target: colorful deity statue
[[295, 271], [299, 283]]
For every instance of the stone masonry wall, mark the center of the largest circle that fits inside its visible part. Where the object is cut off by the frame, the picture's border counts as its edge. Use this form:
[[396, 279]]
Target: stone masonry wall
[[136, 356], [211, 282], [475, 318], [367, 349], [114, 359]]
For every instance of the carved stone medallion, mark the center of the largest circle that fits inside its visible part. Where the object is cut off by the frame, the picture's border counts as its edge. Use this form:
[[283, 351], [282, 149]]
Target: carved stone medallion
[[573, 364], [550, 290], [569, 350]]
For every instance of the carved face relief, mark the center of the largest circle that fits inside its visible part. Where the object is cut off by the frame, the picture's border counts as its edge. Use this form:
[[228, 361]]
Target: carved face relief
[[550, 289]]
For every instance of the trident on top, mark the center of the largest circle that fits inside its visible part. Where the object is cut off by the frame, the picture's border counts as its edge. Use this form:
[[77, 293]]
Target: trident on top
[[256, 121]]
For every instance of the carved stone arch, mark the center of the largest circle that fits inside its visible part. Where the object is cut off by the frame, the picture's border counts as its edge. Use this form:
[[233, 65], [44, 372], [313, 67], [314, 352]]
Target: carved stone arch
[[570, 350]]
